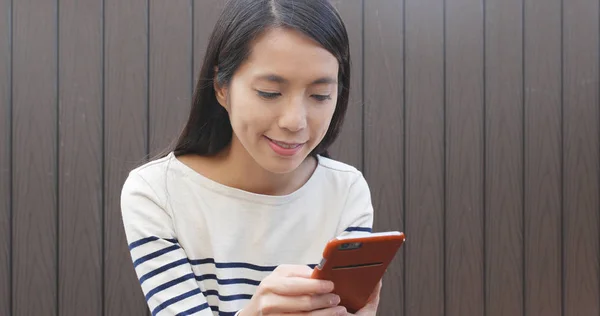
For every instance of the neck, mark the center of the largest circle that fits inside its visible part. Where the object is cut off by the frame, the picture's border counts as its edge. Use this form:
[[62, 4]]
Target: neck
[[240, 170]]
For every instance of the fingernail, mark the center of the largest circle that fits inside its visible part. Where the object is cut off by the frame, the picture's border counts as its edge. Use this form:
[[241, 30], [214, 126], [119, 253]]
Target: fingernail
[[341, 312], [328, 286], [334, 300]]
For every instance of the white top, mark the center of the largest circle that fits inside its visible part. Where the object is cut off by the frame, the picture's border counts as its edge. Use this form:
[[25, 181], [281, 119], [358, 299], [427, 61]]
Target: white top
[[199, 247]]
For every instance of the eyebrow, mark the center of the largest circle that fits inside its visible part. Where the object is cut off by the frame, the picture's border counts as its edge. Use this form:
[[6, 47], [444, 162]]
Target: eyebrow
[[279, 79]]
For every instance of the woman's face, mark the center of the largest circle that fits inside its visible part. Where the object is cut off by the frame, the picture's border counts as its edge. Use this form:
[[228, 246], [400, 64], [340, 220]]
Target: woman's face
[[281, 99]]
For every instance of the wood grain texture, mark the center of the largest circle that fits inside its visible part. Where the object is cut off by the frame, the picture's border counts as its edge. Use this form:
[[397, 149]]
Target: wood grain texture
[[170, 71], [542, 135], [464, 252], [383, 148], [80, 157], [349, 147], [581, 218], [424, 81], [34, 155], [491, 166], [5, 154], [504, 158], [125, 132], [205, 16]]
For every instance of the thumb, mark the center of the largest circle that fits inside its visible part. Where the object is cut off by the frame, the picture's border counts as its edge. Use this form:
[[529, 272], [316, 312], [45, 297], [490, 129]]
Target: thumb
[[373, 303], [376, 291], [294, 270]]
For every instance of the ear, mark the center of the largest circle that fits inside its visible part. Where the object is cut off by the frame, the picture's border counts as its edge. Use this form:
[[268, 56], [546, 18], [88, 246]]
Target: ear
[[220, 91]]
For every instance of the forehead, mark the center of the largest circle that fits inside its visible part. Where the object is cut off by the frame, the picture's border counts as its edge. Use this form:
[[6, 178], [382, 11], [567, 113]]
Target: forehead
[[289, 54]]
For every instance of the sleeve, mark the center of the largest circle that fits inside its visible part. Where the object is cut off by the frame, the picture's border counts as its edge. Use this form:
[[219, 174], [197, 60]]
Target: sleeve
[[357, 215], [161, 265]]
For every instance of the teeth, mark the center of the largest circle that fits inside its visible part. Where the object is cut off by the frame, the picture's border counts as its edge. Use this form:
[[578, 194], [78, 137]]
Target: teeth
[[286, 146]]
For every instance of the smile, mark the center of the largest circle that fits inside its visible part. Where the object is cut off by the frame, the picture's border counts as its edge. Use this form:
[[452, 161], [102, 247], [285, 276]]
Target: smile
[[285, 148], [285, 145]]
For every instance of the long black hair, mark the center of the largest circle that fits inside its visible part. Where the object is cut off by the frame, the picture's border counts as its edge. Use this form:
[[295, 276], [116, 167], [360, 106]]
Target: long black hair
[[208, 129]]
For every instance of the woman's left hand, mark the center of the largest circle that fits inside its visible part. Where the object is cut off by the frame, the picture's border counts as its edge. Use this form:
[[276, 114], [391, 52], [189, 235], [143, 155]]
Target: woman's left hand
[[371, 308]]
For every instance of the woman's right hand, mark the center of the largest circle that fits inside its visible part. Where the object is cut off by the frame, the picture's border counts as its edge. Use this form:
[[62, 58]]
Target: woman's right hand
[[290, 290]]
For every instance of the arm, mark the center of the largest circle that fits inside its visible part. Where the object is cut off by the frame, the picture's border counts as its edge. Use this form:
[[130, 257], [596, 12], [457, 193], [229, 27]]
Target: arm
[[357, 218], [161, 265], [357, 215]]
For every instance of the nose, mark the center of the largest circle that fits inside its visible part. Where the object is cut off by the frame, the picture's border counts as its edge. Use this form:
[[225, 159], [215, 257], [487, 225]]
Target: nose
[[293, 115]]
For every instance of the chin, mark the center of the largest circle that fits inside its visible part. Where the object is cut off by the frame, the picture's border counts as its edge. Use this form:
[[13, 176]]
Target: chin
[[280, 165], [277, 161]]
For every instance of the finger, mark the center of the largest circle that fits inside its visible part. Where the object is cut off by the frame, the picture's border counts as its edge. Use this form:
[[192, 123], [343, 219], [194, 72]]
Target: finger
[[294, 286], [372, 304], [375, 292], [294, 270], [274, 304], [337, 311], [371, 308]]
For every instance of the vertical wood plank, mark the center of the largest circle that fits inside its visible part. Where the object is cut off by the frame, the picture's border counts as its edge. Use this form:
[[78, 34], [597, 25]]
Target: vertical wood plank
[[581, 257], [34, 155], [5, 154], [504, 158], [542, 81], [206, 13], [170, 71], [348, 147], [80, 157], [384, 152], [464, 158], [424, 81], [125, 132]]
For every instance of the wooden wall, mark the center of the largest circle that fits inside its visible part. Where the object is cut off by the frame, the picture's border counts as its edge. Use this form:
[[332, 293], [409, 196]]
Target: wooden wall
[[476, 123]]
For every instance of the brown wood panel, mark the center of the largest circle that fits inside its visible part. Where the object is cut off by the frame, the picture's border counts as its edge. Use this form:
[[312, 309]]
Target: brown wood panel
[[34, 155], [504, 158], [349, 145], [581, 218], [125, 132], [464, 252], [491, 167], [170, 71], [424, 82], [5, 154], [383, 149], [542, 82], [205, 16], [80, 157]]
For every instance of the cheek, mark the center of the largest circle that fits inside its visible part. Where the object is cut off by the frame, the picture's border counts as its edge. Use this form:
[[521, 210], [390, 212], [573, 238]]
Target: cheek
[[247, 115], [321, 120]]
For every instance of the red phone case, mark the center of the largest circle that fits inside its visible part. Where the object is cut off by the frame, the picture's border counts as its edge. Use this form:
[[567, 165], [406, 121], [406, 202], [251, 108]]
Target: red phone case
[[355, 272]]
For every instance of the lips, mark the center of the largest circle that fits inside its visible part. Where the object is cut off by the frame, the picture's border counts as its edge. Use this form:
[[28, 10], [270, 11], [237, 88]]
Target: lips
[[286, 145], [286, 149]]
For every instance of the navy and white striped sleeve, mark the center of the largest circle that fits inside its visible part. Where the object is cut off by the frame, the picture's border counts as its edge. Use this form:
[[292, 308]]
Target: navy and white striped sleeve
[[161, 265], [357, 215]]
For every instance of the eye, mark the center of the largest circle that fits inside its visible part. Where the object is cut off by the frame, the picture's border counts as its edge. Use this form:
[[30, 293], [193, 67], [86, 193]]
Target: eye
[[321, 97], [268, 95]]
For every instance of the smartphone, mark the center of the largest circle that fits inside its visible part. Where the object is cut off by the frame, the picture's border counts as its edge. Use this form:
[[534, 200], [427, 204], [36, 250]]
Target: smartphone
[[355, 264]]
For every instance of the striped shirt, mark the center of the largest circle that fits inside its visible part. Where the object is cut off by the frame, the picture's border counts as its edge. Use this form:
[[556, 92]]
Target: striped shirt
[[199, 247]]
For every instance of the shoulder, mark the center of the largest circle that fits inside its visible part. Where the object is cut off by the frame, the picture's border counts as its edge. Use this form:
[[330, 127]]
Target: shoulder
[[346, 180], [340, 171], [153, 170], [357, 210], [149, 178]]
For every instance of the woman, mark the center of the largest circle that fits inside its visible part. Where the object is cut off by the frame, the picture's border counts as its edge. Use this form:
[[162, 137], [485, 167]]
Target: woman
[[233, 220]]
